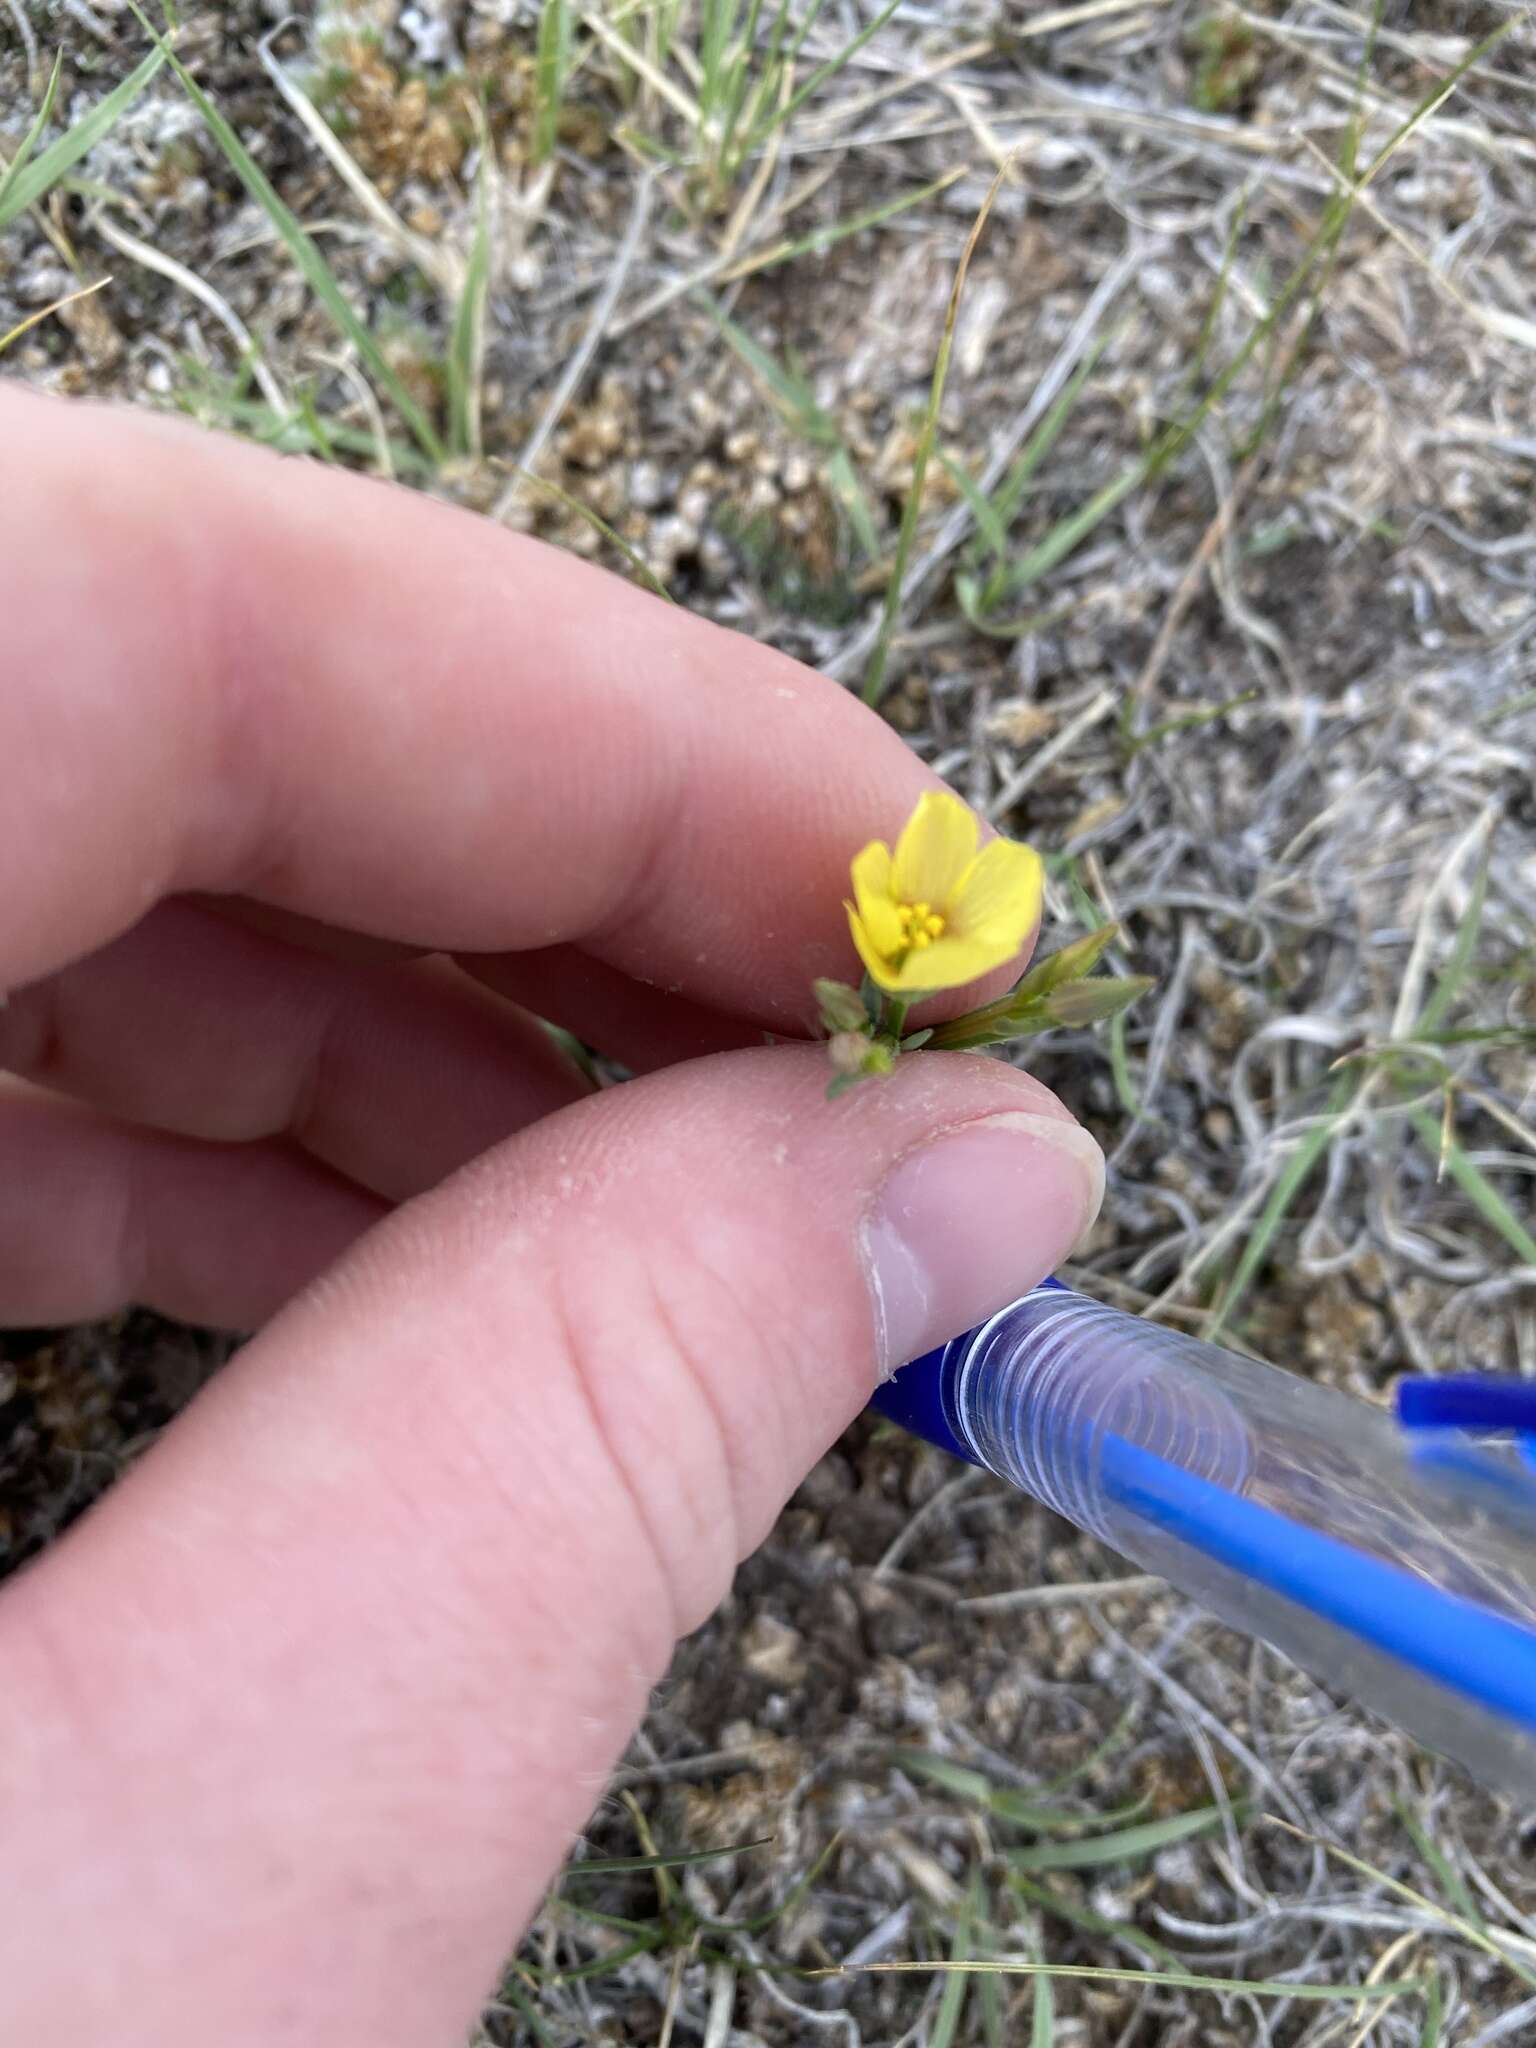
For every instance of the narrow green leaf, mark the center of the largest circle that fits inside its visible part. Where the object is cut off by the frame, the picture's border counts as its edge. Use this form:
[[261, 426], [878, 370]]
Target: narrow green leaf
[[946, 2020], [1082, 1003], [642, 568], [1071, 1913], [1068, 963], [604, 1866], [1481, 1937], [1452, 1882], [1434, 2015], [1437, 95], [1125, 1845], [1484, 1196], [1176, 1980], [1042, 440], [27, 181], [799, 1890], [1187, 721], [1457, 968], [601, 1966], [778, 115], [1292, 1178], [30, 140], [983, 511], [551, 59], [311, 264], [293, 436], [1126, 1093], [1004, 1802], [527, 2011], [843, 482], [1042, 2026], [467, 344], [874, 676], [819, 240]]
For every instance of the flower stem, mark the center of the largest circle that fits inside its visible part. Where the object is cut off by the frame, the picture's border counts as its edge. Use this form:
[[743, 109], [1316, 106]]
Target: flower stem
[[894, 1020]]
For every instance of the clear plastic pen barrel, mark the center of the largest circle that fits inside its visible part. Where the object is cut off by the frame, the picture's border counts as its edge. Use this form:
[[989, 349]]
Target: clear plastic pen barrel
[[1400, 1571]]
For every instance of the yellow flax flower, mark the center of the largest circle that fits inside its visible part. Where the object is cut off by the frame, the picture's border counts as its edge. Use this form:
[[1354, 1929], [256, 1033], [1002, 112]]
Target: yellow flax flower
[[937, 913]]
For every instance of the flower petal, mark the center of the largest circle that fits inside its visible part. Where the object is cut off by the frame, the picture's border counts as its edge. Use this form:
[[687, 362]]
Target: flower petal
[[937, 845], [947, 963], [872, 894], [998, 900], [881, 971]]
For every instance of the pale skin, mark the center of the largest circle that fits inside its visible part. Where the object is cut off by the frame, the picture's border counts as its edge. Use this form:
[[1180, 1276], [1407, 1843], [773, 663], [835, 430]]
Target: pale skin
[[297, 1724]]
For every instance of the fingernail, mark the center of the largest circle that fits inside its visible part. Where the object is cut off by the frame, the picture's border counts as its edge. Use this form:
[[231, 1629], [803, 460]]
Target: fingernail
[[973, 1219]]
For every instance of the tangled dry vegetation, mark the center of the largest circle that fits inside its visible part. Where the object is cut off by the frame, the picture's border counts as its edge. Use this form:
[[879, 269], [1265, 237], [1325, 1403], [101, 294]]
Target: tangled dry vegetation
[[1220, 588]]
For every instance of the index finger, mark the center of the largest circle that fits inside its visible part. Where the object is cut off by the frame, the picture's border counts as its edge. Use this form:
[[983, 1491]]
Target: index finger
[[228, 672]]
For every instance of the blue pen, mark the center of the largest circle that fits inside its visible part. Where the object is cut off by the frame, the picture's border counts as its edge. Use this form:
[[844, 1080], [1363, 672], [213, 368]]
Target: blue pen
[[1392, 1555]]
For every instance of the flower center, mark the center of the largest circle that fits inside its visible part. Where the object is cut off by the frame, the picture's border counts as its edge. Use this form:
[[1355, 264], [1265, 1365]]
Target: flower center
[[921, 924]]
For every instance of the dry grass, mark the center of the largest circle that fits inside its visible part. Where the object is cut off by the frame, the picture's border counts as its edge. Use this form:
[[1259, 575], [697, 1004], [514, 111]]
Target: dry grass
[[1334, 879]]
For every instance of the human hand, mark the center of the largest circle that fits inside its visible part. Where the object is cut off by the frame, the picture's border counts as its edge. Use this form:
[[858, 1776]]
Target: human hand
[[295, 1726]]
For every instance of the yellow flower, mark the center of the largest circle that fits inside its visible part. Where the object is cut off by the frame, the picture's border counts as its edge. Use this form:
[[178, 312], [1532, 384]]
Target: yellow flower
[[936, 913]]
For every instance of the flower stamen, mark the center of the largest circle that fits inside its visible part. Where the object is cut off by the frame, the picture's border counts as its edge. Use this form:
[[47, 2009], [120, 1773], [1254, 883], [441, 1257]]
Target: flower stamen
[[920, 924]]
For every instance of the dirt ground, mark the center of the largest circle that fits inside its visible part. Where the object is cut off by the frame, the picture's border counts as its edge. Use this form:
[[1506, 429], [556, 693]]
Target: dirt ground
[[1274, 711]]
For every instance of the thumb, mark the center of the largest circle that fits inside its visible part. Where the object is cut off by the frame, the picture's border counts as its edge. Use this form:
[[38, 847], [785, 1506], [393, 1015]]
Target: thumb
[[340, 1668]]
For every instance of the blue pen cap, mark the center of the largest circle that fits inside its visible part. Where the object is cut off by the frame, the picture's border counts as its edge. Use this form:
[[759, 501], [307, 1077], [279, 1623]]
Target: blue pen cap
[[1400, 1572]]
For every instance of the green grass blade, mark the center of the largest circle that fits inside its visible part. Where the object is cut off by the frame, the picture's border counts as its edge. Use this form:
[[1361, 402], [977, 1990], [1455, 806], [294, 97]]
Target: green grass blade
[[843, 482], [946, 2020], [30, 177], [809, 22], [1479, 1190], [324, 445], [1457, 968], [1010, 492], [1452, 1882], [799, 1890], [989, 2002], [605, 1866], [514, 1995], [1218, 298], [1479, 1935], [310, 263], [1086, 1921], [1295, 1172], [818, 78], [738, 85], [988, 524], [797, 402], [1018, 1809], [1125, 1845], [258, 422], [1042, 2025], [466, 347], [874, 676], [1436, 97], [819, 240], [643, 571], [46, 312], [1068, 533], [1173, 1980], [792, 394], [600, 1966], [550, 64], [1188, 721], [30, 140], [1120, 1067], [1434, 2016]]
